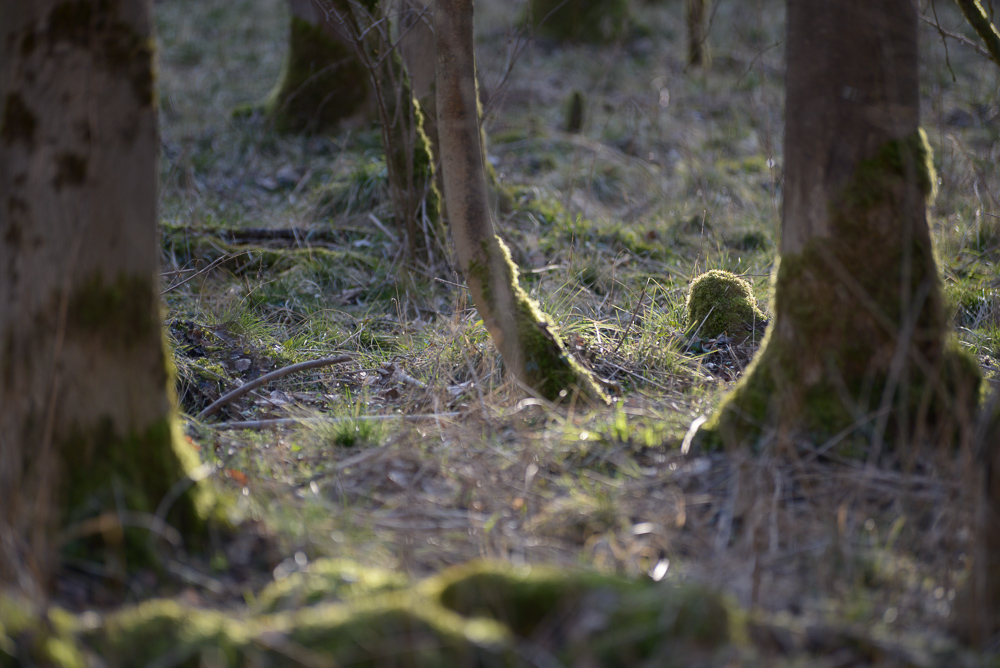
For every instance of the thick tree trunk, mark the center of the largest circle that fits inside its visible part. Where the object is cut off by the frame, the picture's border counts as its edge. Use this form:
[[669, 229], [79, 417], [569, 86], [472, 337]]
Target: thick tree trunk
[[323, 86], [858, 347], [86, 416], [527, 340]]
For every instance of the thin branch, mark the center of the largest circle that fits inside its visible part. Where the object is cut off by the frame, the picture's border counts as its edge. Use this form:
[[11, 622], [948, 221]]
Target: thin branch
[[267, 378], [981, 23], [962, 39], [207, 269]]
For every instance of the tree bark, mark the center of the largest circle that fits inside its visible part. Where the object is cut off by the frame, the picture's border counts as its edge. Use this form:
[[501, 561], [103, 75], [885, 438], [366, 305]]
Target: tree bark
[[86, 415], [978, 610], [697, 37], [527, 339], [858, 350]]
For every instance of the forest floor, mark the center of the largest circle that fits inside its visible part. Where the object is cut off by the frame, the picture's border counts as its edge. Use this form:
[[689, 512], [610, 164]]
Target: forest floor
[[418, 453]]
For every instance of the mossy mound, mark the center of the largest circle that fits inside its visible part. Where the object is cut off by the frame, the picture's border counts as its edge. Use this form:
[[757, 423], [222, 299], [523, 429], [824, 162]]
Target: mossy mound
[[601, 620], [322, 82], [723, 303], [586, 21]]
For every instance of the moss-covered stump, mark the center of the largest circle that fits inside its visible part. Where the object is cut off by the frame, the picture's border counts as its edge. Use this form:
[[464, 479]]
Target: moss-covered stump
[[587, 21], [858, 360], [720, 302], [322, 83]]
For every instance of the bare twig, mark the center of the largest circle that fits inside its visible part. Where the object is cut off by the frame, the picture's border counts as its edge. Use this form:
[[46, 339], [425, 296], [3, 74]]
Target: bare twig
[[207, 269], [631, 322], [962, 39], [267, 378]]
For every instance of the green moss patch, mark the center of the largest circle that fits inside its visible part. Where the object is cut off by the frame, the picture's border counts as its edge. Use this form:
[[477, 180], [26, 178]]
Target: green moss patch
[[613, 620], [720, 302], [326, 581]]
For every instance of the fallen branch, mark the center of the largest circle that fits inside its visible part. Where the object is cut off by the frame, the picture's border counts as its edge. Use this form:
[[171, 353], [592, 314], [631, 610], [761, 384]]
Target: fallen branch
[[267, 378], [284, 422]]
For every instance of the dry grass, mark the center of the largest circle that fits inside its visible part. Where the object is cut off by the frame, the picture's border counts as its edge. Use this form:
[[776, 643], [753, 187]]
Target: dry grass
[[432, 457]]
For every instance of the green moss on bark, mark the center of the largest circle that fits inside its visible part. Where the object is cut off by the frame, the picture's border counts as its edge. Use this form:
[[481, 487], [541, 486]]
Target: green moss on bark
[[105, 471], [322, 82], [549, 369], [859, 350], [720, 302], [417, 193]]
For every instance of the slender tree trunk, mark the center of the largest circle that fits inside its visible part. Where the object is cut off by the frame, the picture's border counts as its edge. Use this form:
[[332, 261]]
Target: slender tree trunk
[[980, 22], [527, 340], [697, 36], [977, 617], [87, 436], [858, 350]]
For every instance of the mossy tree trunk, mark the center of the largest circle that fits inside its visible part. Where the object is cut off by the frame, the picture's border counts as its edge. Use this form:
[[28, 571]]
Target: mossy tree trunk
[[527, 340], [87, 433], [323, 85], [981, 23], [344, 69], [858, 352], [408, 149]]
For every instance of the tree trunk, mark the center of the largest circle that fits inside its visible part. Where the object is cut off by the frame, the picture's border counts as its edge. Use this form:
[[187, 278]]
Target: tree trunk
[[323, 86], [858, 349], [977, 618], [88, 442], [527, 339], [697, 36], [981, 23]]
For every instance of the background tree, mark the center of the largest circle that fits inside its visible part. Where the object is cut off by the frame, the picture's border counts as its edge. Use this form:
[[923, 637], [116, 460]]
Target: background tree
[[527, 339], [697, 31], [345, 67], [858, 346], [323, 85], [88, 442]]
